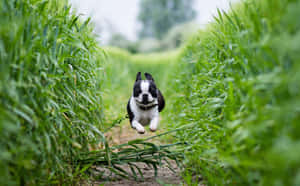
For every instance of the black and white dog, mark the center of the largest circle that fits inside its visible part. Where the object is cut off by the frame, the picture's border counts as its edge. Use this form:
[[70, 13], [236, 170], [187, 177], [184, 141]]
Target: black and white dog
[[145, 104]]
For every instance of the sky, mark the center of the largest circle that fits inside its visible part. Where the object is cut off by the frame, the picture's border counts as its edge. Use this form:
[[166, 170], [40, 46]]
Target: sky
[[111, 16]]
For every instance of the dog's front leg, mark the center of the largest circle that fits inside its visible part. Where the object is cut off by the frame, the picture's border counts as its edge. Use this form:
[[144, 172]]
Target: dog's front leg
[[154, 123], [136, 125]]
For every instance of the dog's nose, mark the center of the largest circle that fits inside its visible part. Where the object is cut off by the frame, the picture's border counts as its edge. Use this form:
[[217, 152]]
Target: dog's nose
[[145, 97]]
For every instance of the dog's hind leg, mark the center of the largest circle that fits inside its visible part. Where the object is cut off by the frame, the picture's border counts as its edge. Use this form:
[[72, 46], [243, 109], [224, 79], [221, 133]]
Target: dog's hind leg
[[136, 125]]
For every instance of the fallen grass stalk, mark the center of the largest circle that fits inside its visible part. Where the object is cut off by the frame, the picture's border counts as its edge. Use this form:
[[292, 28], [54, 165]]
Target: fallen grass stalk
[[131, 153]]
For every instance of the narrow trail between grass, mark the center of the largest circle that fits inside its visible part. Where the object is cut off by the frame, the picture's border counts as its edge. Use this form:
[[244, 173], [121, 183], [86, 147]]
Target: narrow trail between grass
[[120, 72], [123, 134]]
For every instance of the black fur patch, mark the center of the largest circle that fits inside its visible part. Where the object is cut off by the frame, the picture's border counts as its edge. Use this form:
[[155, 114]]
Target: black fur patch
[[137, 89], [130, 113], [153, 89], [149, 76], [138, 77], [147, 107], [161, 101]]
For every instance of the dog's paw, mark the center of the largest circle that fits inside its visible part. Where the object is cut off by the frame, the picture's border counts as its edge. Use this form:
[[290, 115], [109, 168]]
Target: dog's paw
[[152, 128], [140, 130]]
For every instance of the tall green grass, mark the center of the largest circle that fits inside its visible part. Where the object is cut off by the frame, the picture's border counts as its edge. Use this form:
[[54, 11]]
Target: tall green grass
[[50, 106], [239, 86], [51, 83]]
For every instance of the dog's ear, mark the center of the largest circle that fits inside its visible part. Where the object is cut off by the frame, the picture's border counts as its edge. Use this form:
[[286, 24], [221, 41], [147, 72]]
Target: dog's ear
[[149, 77], [138, 77]]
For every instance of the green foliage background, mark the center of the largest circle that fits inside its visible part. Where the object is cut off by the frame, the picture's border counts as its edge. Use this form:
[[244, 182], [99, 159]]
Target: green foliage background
[[239, 86], [50, 105]]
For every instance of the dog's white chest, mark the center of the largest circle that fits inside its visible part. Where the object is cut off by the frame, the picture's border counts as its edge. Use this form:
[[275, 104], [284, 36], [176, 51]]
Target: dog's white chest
[[144, 117]]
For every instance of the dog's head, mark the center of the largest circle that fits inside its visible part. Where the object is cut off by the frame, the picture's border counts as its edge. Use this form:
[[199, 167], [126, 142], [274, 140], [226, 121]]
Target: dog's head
[[145, 91]]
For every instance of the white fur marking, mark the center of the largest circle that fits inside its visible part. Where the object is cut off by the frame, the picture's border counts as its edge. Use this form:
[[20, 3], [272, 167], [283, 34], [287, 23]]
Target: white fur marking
[[145, 86]]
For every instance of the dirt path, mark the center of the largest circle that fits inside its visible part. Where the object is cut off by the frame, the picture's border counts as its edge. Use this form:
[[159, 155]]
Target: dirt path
[[125, 133], [164, 176]]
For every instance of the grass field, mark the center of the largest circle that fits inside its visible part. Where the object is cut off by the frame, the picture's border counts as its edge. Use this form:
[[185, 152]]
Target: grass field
[[49, 91], [239, 86], [234, 87]]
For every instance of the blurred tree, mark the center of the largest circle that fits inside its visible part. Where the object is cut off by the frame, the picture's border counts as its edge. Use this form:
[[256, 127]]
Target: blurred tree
[[158, 16], [179, 34], [119, 40]]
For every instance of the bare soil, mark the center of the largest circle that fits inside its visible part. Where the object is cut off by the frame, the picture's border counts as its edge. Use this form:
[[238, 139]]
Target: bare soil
[[124, 133], [164, 176]]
